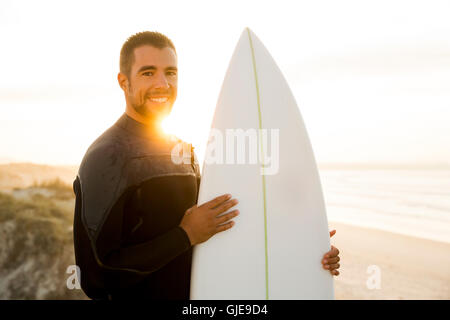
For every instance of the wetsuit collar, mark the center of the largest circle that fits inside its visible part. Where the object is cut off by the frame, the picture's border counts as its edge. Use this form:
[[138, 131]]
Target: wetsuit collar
[[138, 128]]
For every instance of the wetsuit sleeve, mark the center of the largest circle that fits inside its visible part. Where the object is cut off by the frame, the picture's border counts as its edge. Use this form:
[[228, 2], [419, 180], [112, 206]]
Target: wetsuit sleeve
[[144, 257]]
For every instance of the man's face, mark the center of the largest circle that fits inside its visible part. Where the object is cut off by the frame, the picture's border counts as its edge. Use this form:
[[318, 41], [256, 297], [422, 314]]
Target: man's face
[[152, 84]]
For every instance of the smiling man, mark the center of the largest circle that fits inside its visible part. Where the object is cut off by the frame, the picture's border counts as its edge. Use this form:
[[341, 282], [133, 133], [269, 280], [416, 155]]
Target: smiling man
[[136, 218]]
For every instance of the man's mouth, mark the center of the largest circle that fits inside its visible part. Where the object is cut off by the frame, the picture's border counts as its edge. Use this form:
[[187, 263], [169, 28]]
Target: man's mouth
[[159, 99]]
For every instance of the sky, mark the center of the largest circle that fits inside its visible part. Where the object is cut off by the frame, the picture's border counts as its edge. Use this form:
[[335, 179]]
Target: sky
[[371, 78]]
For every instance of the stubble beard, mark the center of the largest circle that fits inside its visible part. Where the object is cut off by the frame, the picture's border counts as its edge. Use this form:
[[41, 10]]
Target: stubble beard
[[143, 110]]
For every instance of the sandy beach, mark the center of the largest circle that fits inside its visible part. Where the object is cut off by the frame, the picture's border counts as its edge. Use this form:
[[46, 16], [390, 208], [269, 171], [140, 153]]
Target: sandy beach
[[410, 268]]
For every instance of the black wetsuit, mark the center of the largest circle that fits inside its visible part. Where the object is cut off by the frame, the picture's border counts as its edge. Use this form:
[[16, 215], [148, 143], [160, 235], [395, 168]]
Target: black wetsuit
[[135, 248]]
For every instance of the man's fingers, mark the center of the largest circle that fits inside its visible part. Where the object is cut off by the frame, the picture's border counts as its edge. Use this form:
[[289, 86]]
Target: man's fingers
[[332, 233], [334, 252], [224, 227], [331, 266], [334, 266], [227, 216], [334, 272], [331, 260], [225, 206], [217, 201]]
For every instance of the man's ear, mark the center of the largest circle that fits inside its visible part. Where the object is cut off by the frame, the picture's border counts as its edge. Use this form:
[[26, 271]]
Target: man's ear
[[123, 81]]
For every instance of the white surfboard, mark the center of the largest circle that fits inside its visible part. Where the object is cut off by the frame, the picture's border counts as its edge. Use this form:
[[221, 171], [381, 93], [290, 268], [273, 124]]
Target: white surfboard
[[275, 248]]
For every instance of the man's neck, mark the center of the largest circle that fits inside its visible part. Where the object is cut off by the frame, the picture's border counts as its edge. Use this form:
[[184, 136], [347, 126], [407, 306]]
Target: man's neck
[[148, 122]]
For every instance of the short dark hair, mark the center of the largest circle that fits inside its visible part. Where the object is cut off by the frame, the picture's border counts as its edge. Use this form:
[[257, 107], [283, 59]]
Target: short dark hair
[[152, 38]]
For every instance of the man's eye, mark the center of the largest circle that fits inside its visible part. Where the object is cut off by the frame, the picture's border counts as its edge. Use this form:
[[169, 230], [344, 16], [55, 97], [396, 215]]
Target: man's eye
[[171, 73], [148, 73]]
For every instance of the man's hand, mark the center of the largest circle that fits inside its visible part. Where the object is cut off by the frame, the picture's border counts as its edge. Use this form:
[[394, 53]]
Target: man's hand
[[202, 222], [331, 258]]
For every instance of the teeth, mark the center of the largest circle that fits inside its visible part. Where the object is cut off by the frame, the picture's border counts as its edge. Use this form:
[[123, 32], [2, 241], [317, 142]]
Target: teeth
[[159, 100]]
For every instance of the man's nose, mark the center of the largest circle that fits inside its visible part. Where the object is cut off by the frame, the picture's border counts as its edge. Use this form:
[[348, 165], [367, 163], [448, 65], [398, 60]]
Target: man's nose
[[161, 81]]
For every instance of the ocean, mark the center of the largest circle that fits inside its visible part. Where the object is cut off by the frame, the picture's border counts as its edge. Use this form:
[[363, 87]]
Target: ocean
[[409, 202]]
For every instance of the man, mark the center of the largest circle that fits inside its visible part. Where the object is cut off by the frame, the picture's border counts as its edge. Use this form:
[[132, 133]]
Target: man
[[136, 217]]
